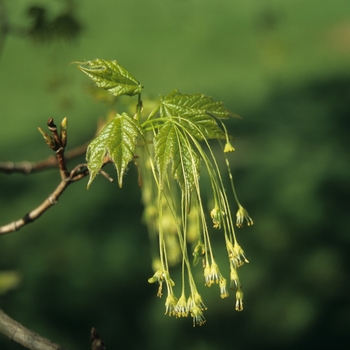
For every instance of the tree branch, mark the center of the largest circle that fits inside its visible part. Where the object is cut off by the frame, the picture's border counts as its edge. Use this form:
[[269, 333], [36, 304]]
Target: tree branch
[[26, 167], [78, 173], [57, 142], [22, 335]]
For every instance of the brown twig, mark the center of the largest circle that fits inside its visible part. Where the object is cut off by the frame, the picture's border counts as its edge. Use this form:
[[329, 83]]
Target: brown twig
[[79, 172], [22, 335], [60, 142], [26, 167], [57, 142]]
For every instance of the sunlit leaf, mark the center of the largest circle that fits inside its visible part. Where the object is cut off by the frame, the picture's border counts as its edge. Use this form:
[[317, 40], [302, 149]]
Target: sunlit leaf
[[117, 140], [173, 146], [198, 112], [185, 166], [111, 76], [164, 146]]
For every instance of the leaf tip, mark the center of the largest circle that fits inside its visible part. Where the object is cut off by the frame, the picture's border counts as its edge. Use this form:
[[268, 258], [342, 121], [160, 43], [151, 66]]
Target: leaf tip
[[120, 180]]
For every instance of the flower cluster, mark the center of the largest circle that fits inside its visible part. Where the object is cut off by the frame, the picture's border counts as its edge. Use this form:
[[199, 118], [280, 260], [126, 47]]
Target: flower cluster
[[176, 218]]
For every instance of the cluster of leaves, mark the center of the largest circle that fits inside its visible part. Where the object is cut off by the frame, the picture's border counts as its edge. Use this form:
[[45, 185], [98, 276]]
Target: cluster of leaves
[[180, 118], [169, 145], [43, 28]]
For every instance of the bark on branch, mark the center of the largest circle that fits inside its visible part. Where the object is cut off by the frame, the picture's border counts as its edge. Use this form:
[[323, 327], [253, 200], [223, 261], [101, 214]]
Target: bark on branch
[[76, 174], [57, 142], [24, 336], [48, 163]]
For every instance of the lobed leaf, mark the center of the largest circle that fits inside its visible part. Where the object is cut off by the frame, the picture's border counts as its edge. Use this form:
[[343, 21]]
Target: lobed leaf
[[111, 76], [185, 165], [193, 104], [173, 146], [198, 112], [164, 147], [117, 140]]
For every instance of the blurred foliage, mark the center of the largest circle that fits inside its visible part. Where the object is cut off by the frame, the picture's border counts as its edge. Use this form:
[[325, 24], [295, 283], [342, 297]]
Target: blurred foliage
[[284, 67], [40, 24], [8, 280], [64, 26]]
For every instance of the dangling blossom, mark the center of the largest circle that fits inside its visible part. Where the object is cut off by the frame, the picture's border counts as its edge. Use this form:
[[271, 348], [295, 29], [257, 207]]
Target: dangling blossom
[[242, 215]]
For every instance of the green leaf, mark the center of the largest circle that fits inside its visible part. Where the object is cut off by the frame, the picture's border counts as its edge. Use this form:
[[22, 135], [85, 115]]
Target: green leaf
[[165, 147], [173, 146], [186, 164], [198, 112], [111, 76], [117, 140]]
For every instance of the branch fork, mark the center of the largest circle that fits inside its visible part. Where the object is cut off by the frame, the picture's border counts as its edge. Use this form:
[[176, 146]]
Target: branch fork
[[57, 141]]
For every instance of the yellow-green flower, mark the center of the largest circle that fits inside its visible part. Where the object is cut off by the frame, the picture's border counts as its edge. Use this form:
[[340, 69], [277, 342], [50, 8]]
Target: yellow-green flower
[[228, 147], [198, 252], [207, 275], [212, 274], [161, 276], [234, 278], [239, 300], [217, 215], [170, 305], [197, 314], [242, 215], [197, 300], [223, 290], [236, 254], [157, 277], [195, 306], [181, 307]]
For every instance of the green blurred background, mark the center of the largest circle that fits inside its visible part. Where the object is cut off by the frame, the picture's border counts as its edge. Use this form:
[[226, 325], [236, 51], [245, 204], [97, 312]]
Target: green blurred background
[[284, 66]]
